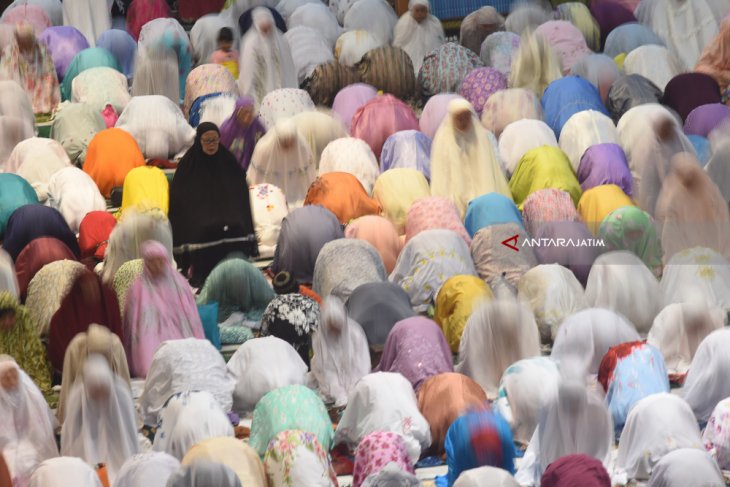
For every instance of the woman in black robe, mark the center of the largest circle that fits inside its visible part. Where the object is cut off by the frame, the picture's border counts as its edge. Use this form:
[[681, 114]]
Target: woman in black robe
[[209, 205]]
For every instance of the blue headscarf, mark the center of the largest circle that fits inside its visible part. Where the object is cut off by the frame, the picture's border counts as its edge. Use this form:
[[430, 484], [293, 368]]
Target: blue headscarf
[[490, 209], [122, 46], [407, 149], [702, 148], [33, 221], [478, 439], [567, 96]]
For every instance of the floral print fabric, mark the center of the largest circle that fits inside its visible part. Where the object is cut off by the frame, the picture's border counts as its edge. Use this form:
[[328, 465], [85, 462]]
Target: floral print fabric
[[377, 450], [480, 84], [296, 458], [716, 437], [35, 73], [445, 68], [293, 318]]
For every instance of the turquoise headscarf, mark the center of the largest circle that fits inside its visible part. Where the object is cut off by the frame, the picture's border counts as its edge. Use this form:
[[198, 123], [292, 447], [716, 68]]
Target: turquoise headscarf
[[237, 285], [14, 193], [490, 209], [93, 57], [290, 408]]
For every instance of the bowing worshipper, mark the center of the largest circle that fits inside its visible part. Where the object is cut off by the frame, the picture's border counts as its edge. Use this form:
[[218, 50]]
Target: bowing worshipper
[[463, 164], [239, 457], [26, 423], [203, 474], [382, 459], [209, 203], [151, 469], [27, 62], [297, 458], [160, 306], [418, 32], [266, 63], [100, 425], [242, 130], [715, 59], [19, 339]]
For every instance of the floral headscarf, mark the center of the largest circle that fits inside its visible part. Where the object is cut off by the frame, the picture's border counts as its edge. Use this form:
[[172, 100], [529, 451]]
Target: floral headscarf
[[296, 458], [377, 450], [293, 318]]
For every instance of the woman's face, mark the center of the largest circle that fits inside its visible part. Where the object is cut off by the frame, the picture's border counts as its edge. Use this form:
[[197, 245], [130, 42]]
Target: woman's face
[[156, 267], [462, 121], [245, 116], [265, 27], [7, 319], [419, 13], [9, 379], [210, 141]]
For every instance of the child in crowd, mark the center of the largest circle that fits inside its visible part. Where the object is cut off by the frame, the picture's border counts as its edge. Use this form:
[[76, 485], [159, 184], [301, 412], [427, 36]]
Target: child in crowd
[[226, 55]]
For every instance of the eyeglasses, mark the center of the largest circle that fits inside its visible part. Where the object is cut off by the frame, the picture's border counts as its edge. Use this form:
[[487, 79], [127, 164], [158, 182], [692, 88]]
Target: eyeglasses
[[210, 141]]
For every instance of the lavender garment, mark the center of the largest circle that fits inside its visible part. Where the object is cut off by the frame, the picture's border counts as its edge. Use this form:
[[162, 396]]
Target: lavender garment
[[240, 140], [122, 46], [434, 112], [605, 164], [577, 258], [349, 100], [407, 149], [63, 43], [417, 349], [480, 84], [703, 119]]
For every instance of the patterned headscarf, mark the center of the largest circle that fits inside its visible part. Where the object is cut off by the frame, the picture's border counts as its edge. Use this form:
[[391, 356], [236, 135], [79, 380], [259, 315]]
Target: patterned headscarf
[[293, 318]]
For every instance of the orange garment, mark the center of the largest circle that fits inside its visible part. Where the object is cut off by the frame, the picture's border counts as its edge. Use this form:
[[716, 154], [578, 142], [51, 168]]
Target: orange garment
[[443, 398], [111, 155], [343, 195], [381, 234], [715, 59]]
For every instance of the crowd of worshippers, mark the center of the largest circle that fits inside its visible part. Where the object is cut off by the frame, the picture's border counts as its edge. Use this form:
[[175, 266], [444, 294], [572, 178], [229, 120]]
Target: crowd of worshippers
[[309, 244]]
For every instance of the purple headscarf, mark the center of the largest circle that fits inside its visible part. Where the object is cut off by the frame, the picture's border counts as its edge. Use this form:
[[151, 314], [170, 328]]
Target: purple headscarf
[[578, 259], [434, 112], [480, 84], [417, 349], [576, 470], [703, 119], [605, 164], [349, 99], [407, 149], [610, 14], [238, 139], [63, 43]]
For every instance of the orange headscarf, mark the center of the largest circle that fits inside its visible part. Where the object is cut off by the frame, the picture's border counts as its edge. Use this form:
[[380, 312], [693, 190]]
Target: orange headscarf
[[111, 155], [343, 195], [715, 59], [443, 398], [381, 234]]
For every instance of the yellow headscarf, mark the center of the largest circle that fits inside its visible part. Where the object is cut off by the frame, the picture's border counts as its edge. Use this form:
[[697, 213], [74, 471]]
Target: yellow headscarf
[[598, 202], [396, 190], [456, 300], [145, 188]]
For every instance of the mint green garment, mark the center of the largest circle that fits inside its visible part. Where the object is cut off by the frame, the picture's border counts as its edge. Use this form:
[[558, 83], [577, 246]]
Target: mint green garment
[[93, 57], [237, 285], [630, 228], [294, 407], [14, 193]]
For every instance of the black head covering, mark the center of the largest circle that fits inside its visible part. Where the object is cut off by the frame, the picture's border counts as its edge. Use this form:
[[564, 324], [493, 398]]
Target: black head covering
[[209, 201], [284, 283]]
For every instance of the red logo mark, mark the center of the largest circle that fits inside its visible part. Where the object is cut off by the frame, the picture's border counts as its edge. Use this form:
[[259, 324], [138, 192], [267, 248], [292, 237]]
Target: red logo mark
[[511, 243]]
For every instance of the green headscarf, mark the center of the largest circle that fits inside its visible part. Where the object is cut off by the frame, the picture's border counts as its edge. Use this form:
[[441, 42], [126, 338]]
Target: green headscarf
[[630, 228]]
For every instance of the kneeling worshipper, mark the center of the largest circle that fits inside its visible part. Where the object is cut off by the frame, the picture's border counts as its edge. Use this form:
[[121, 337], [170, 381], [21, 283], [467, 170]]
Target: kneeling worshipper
[[151, 469], [236, 455], [100, 425], [27, 62], [26, 423], [19, 338], [297, 458], [160, 306], [204, 474], [382, 459], [418, 32], [463, 164], [210, 204]]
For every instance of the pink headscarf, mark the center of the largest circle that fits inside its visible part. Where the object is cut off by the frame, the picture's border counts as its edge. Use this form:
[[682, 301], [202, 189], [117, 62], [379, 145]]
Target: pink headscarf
[[377, 450], [381, 234], [380, 118], [432, 213], [566, 40], [158, 308]]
